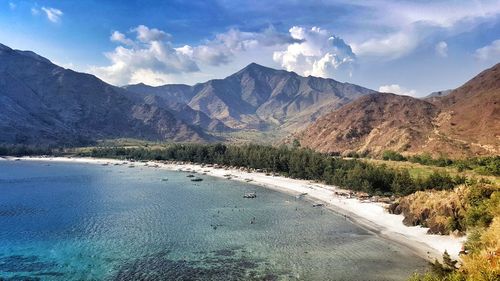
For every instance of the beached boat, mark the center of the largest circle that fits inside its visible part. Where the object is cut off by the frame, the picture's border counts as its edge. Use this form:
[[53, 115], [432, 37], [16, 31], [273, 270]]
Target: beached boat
[[318, 205]]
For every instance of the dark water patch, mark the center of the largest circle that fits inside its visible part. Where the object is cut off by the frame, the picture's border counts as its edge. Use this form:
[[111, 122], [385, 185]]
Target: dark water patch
[[14, 211], [51, 179], [19, 263], [226, 264]]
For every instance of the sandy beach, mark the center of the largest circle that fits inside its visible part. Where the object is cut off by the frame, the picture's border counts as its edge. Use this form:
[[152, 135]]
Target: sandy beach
[[370, 215]]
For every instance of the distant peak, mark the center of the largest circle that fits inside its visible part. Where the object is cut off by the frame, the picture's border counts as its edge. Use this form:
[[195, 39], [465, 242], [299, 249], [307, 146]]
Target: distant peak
[[141, 84], [256, 66]]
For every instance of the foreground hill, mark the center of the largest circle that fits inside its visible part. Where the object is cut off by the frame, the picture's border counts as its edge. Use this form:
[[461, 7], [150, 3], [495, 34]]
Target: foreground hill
[[261, 98], [42, 103], [464, 122]]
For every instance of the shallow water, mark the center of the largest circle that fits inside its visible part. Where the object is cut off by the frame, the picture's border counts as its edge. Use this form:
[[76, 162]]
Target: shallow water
[[63, 221]]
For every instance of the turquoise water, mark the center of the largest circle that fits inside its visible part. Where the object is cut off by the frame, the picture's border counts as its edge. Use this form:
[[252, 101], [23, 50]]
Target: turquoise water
[[63, 221]]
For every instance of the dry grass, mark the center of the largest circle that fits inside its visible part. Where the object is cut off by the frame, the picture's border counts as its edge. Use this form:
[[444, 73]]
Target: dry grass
[[434, 209], [485, 264]]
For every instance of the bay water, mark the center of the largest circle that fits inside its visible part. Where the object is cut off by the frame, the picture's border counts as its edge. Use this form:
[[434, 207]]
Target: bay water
[[70, 221]]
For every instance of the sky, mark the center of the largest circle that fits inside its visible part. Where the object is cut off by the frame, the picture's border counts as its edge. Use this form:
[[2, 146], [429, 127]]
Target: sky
[[404, 47]]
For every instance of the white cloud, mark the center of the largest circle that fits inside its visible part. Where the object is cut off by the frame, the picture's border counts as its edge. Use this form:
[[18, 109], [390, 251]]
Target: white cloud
[[316, 52], [149, 57], [396, 89], [442, 49], [54, 15], [146, 35], [12, 5], [119, 37], [489, 52], [391, 46]]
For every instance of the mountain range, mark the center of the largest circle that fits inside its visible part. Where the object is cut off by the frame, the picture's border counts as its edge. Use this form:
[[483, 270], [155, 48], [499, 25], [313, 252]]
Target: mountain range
[[463, 122], [44, 104], [260, 98]]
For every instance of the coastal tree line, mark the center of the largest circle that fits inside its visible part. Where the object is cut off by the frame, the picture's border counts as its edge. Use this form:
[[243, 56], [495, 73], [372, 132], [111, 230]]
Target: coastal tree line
[[292, 162]]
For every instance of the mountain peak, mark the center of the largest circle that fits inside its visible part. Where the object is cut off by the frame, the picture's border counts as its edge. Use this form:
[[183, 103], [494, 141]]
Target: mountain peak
[[257, 67]]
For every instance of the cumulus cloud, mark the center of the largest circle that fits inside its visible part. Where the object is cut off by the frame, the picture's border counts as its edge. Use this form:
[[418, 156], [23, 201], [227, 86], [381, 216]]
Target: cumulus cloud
[[150, 56], [442, 49], [119, 37], [316, 52], [396, 89], [489, 52], [54, 15], [146, 35]]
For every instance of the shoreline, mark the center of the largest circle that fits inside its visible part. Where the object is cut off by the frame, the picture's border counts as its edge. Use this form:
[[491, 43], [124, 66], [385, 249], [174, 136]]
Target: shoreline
[[371, 216]]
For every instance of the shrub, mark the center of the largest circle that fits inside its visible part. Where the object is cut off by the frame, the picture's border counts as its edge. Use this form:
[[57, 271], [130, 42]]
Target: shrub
[[393, 155]]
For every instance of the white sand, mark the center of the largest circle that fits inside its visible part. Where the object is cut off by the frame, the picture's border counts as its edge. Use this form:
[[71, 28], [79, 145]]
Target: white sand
[[370, 215]]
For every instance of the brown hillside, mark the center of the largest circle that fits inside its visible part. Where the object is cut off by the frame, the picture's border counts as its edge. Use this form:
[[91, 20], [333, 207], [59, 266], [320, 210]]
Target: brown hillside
[[471, 113], [464, 123], [372, 123]]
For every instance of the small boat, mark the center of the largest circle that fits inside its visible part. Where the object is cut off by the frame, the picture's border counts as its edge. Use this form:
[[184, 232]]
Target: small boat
[[318, 205], [250, 195], [190, 176], [164, 179], [197, 179]]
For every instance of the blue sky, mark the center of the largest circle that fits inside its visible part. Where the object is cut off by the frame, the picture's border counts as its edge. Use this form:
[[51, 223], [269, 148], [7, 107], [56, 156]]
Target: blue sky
[[407, 47]]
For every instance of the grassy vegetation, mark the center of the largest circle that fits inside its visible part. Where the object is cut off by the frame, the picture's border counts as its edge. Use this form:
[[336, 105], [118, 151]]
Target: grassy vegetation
[[479, 165], [418, 170]]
